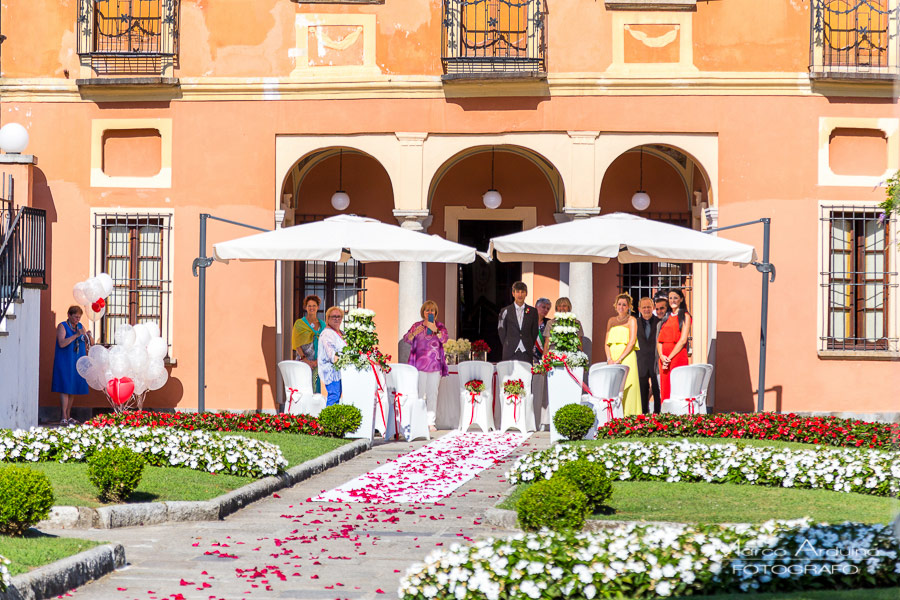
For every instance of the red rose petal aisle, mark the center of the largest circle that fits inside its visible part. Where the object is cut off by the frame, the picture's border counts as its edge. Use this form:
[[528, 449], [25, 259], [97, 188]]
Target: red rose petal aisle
[[431, 473]]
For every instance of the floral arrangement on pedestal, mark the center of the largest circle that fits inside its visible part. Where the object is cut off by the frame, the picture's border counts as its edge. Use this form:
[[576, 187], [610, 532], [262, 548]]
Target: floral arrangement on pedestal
[[362, 343], [513, 390], [455, 350], [566, 342]]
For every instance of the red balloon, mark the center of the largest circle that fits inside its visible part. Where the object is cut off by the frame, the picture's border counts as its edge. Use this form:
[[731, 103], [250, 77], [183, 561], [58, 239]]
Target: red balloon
[[120, 390], [101, 303], [96, 306]]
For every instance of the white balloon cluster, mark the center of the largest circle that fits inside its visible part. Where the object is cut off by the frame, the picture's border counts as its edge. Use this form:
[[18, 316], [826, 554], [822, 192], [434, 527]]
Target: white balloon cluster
[[91, 293], [137, 357]]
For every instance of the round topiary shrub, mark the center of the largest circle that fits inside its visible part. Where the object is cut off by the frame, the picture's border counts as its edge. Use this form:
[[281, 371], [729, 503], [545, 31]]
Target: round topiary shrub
[[26, 497], [573, 421], [115, 472], [589, 477], [553, 503], [339, 419]]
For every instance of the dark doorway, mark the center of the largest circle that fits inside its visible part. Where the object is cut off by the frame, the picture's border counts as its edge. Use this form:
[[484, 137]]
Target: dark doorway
[[484, 288]]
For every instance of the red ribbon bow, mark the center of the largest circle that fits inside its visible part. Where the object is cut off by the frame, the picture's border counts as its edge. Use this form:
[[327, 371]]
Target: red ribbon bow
[[398, 420], [378, 394], [690, 402], [472, 418], [291, 398], [516, 401], [609, 407]]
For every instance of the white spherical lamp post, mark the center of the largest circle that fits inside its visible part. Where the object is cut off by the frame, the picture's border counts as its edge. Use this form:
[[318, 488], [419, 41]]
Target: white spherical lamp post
[[340, 200], [492, 197], [13, 138]]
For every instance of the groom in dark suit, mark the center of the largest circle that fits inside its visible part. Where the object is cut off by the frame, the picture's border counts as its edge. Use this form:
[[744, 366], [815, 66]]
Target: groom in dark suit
[[518, 327], [647, 324]]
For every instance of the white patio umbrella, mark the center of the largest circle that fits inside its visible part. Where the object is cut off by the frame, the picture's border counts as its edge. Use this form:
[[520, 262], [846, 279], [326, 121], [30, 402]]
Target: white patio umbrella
[[337, 239], [626, 237]]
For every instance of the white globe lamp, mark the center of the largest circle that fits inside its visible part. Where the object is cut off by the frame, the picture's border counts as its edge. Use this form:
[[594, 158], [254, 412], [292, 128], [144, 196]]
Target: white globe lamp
[[640, 200], [13, 138], [492, 199], [340, 200]]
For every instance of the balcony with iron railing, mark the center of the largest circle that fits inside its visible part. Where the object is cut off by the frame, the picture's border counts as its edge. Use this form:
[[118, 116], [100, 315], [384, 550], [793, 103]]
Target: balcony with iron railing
[[128, 37], [493, 39], [23, 243], [854, 39]]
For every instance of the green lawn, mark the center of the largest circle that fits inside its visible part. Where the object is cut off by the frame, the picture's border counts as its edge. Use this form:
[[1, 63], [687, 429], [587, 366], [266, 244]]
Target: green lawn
[[72, 488], [36, 549], [732, 503]]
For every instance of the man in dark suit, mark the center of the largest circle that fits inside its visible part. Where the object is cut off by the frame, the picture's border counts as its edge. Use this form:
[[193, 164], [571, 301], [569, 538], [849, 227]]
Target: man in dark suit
[[647, 323], [518, 326]]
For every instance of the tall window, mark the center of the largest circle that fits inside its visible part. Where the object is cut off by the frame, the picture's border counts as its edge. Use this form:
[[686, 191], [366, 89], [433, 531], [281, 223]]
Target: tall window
[[337, 284], [857, 281], [134, 250]]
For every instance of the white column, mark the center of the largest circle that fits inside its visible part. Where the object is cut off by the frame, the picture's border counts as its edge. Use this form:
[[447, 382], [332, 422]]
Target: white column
[[279, 318], [581, 282], [411, 280]]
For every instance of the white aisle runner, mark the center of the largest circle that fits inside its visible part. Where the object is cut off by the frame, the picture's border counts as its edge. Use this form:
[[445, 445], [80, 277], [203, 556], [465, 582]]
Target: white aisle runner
[[430, 473]]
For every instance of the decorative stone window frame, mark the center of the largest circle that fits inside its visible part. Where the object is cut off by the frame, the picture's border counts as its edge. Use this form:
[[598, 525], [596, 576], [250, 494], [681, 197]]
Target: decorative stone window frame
[[163, 179], [302, 25], [683, 5], [827, 125]]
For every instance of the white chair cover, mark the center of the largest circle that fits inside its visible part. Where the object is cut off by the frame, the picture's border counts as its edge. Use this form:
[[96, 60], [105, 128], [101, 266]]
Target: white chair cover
[[516, 413], [687, 396], [704, 390], [403, 391], [607, 384], [482, 413], [299, 398], [563, 388]]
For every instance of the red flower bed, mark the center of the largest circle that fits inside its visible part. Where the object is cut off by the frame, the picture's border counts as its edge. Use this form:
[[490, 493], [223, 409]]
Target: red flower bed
[[823, 431], [230, 422]]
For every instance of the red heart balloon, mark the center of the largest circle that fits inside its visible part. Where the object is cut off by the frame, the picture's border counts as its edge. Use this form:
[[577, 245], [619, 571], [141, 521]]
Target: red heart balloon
[[101, 303], [120, 390], [96, 306]]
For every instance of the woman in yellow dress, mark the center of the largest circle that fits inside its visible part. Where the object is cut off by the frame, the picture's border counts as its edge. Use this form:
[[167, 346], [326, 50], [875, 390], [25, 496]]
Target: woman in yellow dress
[[621, 343]]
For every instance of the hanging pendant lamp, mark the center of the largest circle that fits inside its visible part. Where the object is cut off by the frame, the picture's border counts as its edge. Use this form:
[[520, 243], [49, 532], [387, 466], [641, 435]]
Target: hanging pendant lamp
[[492, 197], [641, 199], [340, 200]]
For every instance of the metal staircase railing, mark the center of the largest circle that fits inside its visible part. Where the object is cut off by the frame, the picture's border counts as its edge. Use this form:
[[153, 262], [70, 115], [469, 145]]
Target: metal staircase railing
[[22, 254]]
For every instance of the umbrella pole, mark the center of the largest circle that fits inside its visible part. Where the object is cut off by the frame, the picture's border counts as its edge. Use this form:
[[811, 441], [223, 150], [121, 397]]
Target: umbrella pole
[[199, 267], [768, 272]]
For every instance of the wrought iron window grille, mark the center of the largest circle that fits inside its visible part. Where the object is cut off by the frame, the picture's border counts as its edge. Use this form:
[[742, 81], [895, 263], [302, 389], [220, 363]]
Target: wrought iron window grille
[[128, 36], [494, 37], [857, 281], [135, 250], [854, 39]]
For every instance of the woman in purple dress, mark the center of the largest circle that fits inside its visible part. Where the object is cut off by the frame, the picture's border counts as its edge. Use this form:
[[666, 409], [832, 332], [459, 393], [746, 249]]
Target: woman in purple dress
[[427, 339]]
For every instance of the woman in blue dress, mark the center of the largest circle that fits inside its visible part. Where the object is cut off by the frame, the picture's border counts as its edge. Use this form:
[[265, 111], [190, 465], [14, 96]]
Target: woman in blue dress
[[72, 342]]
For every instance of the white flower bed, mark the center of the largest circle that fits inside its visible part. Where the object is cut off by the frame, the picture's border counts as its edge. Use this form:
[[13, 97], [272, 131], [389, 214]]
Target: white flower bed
[[864, 471], [163, 447], [651, 561], [5, 579]]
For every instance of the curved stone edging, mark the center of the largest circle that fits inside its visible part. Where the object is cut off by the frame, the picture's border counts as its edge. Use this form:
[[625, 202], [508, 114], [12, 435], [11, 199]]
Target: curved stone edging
[[66, 574], [152, 513]]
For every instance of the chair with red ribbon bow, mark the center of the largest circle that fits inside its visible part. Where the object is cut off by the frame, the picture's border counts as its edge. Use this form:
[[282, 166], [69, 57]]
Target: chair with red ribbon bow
[[606, 383], [688, 395], [517, 410], [408, 412], [366, 390], [476, 408], [299, 398]]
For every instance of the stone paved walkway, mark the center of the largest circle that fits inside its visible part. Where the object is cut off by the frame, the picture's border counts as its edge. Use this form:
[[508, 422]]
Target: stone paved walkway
[[286, 547]]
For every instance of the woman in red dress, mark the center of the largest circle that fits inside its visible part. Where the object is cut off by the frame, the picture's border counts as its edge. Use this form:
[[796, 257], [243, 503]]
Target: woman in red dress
[[671, 343]]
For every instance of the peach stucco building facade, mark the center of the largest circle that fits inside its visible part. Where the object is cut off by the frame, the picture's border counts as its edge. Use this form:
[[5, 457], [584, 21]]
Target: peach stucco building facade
[[724, 112]]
